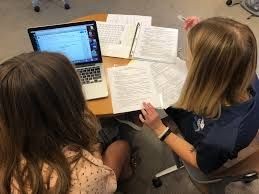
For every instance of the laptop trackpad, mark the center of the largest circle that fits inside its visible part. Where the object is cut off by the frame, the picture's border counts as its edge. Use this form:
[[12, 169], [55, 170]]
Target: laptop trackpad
[[95, 90]]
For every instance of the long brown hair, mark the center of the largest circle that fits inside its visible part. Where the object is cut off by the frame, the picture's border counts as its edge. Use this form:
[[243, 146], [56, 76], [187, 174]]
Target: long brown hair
[[223, 63], [42, 109]]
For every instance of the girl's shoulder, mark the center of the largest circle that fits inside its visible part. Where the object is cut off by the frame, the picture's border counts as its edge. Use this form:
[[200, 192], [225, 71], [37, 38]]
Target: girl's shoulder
[[71, 153], [90, 175]]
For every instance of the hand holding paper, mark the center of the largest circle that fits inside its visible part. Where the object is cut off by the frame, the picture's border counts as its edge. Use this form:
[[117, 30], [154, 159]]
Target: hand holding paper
[[157, 83], [150, 117], [130, 86]]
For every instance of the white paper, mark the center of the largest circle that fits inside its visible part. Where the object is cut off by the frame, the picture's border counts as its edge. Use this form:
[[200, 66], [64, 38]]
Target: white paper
[[145, 81], [157, 44], [116, 39], [110, 33], [169, 81], [168, 78], [131, 86], [129, 19]]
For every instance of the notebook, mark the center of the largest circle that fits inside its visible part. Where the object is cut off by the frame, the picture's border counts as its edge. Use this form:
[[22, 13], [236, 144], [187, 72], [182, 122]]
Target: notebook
[[136, 41]]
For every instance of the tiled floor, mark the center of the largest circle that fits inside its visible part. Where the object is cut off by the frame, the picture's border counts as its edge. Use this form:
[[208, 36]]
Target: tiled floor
[[17, 15]]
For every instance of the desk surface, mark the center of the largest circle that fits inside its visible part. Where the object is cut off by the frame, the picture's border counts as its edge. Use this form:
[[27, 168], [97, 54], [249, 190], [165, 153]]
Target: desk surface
[[102, 106]]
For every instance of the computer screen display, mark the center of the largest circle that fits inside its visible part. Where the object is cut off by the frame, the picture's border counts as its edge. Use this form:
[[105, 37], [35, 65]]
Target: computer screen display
[[77, 42]]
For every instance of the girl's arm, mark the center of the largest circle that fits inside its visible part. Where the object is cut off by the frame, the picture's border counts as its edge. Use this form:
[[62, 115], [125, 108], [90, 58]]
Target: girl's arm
[[181, 147]]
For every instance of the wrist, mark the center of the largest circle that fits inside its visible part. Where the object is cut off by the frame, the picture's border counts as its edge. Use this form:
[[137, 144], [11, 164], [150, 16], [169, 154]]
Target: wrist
[[158, 131], [165, 134]]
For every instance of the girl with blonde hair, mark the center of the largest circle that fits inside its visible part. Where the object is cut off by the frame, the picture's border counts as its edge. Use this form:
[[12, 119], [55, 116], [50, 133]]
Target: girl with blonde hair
[[218, 109]]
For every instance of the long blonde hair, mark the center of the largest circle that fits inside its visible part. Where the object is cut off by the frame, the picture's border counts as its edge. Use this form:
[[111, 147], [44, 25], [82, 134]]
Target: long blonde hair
[[222, 66]]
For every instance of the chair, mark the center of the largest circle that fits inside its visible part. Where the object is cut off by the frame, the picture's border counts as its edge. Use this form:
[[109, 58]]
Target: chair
[[244, 169], [233, 2], [252, 6], [36, 5], [205, 184]]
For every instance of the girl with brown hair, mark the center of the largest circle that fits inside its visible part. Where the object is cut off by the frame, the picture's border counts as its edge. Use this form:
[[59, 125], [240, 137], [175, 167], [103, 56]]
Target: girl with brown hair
[[218, 109], [48, 135]]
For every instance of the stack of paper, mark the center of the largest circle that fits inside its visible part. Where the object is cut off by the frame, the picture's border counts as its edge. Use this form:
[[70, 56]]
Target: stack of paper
[[157, 76], [143, 81]]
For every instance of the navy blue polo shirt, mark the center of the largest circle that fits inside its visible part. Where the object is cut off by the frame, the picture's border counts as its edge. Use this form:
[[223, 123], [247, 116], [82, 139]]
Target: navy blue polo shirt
[[217, 140]]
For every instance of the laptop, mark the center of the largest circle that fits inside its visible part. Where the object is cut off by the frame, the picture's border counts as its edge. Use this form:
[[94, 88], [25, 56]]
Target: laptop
[[79, 42]]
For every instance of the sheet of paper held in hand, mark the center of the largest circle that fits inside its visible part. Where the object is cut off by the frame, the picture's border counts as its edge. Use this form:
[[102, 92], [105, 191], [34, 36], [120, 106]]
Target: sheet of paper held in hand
[[129, 19], [156, 44], [130, 86], [142, 81]]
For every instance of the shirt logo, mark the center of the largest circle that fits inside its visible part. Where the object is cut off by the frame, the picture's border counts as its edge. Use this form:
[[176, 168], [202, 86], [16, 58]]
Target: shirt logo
[[199, 125]]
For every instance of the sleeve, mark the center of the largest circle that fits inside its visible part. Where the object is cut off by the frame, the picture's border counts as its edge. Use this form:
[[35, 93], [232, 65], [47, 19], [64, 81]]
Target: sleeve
[[210, 157], [179, 116], [174, 113]]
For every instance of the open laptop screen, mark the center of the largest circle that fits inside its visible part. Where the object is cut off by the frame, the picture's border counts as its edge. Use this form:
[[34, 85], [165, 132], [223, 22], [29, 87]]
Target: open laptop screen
[[77, 41]]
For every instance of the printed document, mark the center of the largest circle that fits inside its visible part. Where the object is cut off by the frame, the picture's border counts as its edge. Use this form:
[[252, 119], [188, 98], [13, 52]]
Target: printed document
[[130, 86], [168, 82], [156, 44], [136, 83]]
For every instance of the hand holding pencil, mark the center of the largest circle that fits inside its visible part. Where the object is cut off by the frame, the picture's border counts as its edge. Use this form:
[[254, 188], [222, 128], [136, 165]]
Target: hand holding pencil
[[189, 22]]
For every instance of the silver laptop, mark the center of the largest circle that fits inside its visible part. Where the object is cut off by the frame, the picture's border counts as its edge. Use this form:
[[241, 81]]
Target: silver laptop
[[80, 43]]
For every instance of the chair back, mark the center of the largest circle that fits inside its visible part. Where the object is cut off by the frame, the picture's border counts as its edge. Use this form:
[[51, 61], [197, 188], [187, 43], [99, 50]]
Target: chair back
[[247, 161]]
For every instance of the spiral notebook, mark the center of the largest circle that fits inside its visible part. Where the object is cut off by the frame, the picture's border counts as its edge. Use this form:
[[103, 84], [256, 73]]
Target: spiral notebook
[[136, 41]]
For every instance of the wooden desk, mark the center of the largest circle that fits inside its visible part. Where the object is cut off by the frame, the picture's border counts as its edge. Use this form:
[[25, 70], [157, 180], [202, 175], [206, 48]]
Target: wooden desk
[[102, 106]]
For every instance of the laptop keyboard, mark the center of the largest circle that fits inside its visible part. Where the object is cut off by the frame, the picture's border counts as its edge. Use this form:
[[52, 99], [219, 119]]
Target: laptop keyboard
[[90, 75]]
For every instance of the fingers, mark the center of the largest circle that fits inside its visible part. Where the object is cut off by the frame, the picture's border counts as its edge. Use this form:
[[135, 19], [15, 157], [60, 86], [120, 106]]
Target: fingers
[[144, 112], [192, 18], [150, 117], [188, 24], [149, 108], [141, 118], [191, 22]]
